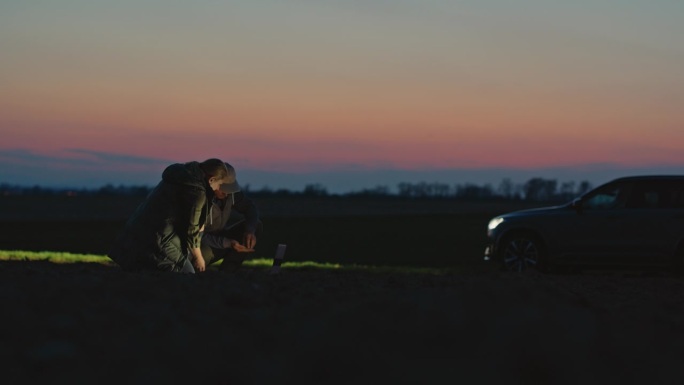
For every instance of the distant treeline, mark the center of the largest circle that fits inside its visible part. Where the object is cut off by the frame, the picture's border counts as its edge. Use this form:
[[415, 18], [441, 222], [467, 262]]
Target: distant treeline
[[535, 189]]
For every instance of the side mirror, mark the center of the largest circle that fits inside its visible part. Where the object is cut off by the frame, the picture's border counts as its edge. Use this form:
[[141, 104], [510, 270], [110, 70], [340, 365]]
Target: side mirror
[[577, 205]]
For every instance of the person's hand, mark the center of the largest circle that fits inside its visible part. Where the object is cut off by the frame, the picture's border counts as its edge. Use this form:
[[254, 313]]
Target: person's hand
[[237, 246], [198, 263], [249, 240]]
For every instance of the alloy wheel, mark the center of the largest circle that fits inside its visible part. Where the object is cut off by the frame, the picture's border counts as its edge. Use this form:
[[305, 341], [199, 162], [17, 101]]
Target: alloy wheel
[[520, 254]]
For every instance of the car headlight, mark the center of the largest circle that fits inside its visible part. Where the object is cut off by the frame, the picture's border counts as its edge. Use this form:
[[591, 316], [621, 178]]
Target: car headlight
[[494, 222]]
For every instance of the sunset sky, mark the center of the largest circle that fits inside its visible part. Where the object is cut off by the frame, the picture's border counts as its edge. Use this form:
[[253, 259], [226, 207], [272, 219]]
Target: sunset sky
[[112, 91]]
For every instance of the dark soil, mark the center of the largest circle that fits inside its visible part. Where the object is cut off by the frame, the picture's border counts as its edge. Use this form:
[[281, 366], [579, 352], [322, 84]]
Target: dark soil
[[93, 324]]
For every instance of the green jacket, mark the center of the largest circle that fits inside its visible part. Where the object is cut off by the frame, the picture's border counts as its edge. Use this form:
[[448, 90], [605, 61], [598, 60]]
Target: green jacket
[[162, 229]]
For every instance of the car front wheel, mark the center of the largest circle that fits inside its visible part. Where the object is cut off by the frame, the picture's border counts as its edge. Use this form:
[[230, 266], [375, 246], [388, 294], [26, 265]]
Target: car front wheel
[[520, 252]]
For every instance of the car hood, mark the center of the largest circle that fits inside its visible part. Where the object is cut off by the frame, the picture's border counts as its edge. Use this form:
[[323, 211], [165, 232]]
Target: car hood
[[534, 212]]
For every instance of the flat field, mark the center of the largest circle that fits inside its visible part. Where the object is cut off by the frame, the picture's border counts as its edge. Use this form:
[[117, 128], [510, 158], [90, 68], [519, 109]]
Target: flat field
[[85, 323], [368, 232]]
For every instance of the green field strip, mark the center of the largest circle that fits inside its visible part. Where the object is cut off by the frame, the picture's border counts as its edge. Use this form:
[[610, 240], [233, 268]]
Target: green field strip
[[64, 257]]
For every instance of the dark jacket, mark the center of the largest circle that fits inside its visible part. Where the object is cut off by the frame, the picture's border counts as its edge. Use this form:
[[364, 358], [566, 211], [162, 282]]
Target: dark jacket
[[158, 234], [219, 214], [220, 210]]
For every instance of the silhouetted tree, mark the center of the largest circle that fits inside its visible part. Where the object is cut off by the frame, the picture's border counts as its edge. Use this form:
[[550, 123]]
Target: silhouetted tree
[[535, 189], [377, 191], [567, 191], [441, 190], [471, 191], [509, 190], [539, 189], [315, 189], [424, 190], [404, 189], [584, 187]]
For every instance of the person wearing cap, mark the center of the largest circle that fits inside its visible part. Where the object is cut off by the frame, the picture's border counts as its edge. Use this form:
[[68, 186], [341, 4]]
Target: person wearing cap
[[230, 237], [164, 233]]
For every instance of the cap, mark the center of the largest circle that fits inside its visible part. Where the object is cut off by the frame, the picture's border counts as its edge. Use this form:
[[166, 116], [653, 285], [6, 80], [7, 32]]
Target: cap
[[231, 185]]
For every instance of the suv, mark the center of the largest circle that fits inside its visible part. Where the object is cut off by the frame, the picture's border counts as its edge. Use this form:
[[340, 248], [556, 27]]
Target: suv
[[630, 221]]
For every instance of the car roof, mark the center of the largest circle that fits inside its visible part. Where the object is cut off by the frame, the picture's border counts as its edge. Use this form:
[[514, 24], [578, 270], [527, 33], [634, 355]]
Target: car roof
[[650, 177]]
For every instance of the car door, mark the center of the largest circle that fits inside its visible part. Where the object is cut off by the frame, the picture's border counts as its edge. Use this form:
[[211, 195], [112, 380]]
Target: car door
[[654, 224], [673, 217], [595, 233]]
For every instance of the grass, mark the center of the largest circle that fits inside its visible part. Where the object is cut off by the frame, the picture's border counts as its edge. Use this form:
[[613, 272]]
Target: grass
[[63, 257], [52, 256], [306, 265]]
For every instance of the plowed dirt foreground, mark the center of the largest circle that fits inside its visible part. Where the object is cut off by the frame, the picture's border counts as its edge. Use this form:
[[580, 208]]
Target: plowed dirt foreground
[[93, 324]]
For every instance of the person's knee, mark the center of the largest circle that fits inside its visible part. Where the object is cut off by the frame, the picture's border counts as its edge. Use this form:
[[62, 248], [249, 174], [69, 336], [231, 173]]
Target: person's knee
[[207, 253], [187, 267]]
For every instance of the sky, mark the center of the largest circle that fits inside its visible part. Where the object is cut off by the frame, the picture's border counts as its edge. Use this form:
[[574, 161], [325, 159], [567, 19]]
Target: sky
[[349, 93]]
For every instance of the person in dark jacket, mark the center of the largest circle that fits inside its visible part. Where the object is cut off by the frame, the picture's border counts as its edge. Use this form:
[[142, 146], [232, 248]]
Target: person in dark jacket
[[230, 237], [165, 230]]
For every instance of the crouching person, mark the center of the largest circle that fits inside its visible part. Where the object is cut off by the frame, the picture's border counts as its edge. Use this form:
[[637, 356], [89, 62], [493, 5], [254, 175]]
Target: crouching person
[[164, 232], [228, 237]]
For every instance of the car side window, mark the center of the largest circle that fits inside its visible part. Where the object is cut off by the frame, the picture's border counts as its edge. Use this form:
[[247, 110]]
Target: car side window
[[607, 198], [646, 195], [660, 194]]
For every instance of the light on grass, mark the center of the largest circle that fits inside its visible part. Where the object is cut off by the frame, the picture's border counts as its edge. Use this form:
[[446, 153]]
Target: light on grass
[[62, 257], [52, 256], [311, 265], [263, 262]]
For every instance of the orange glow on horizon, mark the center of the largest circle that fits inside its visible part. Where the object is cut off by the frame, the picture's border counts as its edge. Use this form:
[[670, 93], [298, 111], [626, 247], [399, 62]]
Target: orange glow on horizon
[[337, 85]]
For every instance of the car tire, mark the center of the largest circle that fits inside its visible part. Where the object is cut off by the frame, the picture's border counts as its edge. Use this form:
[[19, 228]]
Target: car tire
[[521, 252]]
